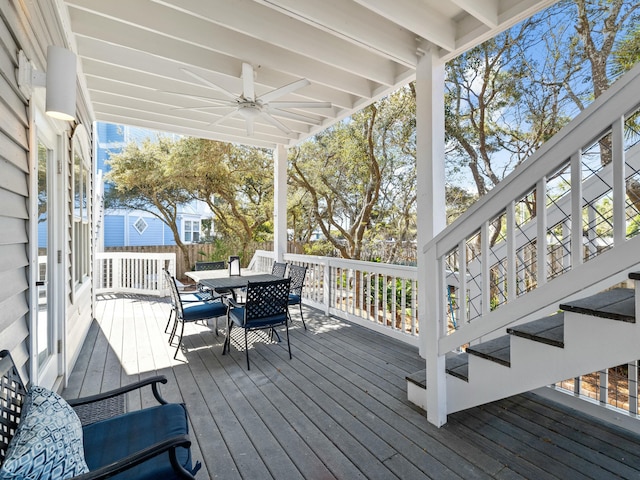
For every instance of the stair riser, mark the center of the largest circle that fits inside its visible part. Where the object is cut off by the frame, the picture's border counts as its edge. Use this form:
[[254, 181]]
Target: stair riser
[[599, 334]]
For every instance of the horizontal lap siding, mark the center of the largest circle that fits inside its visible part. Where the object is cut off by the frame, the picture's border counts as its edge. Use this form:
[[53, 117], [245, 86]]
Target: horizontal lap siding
[[14, 213]]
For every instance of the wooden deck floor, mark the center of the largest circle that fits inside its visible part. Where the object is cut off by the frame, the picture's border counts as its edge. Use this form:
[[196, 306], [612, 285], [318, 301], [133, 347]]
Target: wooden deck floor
[[338, 409]]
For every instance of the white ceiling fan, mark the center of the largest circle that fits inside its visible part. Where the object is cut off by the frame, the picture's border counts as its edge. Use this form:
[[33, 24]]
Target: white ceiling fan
[[249, 106]]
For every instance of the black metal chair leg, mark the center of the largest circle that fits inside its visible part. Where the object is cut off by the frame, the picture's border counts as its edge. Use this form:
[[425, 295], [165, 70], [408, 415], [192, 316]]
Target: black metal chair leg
[[173, 331], [227, 341], [286, 326], [246, 348], [175, 355], [273, 330], [166, 328], [302, 317]]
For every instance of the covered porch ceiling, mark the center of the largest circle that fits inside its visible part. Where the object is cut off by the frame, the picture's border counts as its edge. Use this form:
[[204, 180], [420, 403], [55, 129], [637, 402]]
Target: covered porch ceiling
[[189, 66]]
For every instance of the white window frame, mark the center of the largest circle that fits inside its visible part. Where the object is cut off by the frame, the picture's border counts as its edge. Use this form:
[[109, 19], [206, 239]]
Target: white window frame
[[81, 208], [189, 231], [135, 227]]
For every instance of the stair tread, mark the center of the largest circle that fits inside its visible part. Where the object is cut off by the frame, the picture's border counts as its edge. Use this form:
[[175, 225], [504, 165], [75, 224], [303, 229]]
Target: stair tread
[[616, 304], [418, 378], [456, 364], [548, 330], [497, 350]]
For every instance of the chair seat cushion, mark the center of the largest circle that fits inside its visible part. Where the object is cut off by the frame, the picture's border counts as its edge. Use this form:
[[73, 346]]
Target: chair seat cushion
[[237, 316], [294, 299], [48, 441], [112, 439], [195, 296], [203, 310]]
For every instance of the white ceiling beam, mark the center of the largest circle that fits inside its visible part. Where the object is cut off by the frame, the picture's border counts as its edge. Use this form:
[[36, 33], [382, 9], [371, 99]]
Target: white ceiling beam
[[484, 10], [472, 32], [417, 18], [230, 44], [354, 24], [283, 31]]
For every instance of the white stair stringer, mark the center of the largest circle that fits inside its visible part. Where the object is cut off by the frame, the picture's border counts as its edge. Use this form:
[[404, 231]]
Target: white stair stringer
[[590, 344]]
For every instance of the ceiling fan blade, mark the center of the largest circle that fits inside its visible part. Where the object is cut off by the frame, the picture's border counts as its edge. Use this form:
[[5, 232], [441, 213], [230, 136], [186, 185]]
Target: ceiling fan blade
[[293, 116], [199, 97], [301, 104], [209, 83], [223, 118], [248, 86], [276, 122], [249, 125], [212, 107], [282, 91]]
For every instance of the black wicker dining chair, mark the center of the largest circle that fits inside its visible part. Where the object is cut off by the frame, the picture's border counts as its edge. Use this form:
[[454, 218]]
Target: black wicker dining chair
[[265, 308], [297, 274], [279, 269], [185, 298], [199, 266], [192, 312]]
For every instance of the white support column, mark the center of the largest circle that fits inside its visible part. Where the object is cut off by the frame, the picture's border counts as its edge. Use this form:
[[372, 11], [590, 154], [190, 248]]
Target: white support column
[[279, 202], [430, 76]]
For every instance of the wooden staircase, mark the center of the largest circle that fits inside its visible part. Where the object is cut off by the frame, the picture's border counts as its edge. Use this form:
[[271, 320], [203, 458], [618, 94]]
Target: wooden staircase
[[585, 336]]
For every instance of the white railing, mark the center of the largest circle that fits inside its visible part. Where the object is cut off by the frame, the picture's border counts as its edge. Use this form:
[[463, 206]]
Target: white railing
[[564, 213], [133, 272], [379, 296]]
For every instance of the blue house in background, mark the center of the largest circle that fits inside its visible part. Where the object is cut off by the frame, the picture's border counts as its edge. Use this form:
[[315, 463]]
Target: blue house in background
[[123, 228]]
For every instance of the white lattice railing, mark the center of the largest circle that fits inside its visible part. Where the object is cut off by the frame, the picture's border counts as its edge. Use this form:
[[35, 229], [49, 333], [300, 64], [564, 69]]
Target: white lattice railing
[[128, 272], [379, 296], [569, 212]]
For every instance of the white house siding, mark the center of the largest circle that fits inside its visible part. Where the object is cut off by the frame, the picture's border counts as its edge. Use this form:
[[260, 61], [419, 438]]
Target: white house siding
[[14, 192], [31, 31]]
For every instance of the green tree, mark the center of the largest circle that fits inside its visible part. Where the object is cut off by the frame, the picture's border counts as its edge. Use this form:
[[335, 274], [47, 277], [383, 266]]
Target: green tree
[[356, 180], [511, 94], [627, 52], [143, 180], [235, 182]]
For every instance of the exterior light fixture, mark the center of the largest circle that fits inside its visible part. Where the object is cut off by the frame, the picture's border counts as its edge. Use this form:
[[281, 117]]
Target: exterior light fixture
[[234, 266], [59, 81]]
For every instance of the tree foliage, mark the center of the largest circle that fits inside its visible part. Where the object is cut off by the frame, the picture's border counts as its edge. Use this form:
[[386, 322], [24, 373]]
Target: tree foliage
[[143, 180], [511, 94], [235, 182], [355, 182]]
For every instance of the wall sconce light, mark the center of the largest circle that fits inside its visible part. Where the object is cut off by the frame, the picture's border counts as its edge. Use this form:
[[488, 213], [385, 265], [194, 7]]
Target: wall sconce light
[[234, 265], [60, 81]]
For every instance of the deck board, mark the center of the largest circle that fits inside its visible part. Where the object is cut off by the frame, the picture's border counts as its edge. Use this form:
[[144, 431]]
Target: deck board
[[339, 409]]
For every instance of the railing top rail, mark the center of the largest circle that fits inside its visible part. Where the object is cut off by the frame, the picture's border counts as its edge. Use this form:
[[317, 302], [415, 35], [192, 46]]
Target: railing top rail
[[133, 255], [404, 270]]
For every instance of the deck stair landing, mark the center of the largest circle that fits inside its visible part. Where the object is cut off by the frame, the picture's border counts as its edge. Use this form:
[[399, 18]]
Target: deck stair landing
[[585, 336]]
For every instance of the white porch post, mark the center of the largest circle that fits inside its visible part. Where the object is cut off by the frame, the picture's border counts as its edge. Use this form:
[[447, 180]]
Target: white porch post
[[431, 220], [279, 202]]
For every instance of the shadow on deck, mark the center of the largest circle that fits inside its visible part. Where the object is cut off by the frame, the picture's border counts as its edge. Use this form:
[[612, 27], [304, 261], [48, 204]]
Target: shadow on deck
[[338, 409]]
